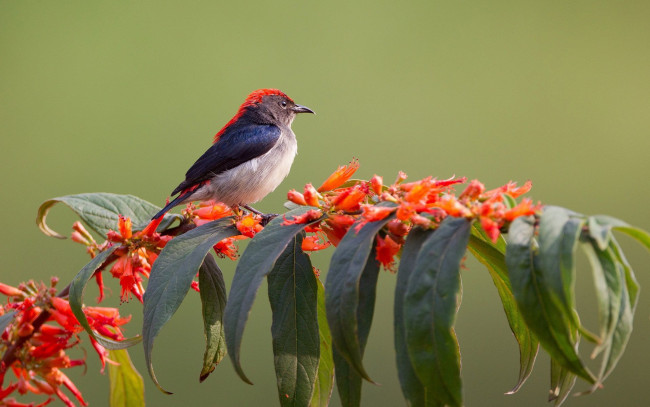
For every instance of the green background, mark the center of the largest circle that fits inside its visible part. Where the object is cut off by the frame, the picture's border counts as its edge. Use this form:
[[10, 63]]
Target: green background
[[123, 96]]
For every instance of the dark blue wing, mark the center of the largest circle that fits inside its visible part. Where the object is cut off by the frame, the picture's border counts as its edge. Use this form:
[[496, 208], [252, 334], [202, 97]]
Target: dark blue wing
[[240, 143]]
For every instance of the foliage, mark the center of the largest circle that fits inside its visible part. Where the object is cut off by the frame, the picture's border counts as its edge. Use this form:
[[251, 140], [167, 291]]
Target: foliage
[[421, 231]]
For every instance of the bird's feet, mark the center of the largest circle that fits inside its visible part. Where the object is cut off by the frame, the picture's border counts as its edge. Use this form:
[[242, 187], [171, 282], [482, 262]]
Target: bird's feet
[[266, 217]]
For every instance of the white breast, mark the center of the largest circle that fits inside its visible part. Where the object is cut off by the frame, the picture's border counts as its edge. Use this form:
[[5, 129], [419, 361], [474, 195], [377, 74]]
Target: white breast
[[253, 180]]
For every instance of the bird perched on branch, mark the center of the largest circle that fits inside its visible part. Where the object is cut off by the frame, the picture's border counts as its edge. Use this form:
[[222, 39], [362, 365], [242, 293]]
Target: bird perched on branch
[[249, 157]]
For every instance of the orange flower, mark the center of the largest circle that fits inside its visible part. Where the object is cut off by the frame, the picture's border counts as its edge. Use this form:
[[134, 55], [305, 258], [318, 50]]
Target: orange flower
[[227, 248], [340, 176], [336, 226], [377, 184], [350, 199], [473, 190], [124, 226], [450, 204], [311, 195], [490, 227], [296, 197], [307, 217], [387, 248], [524, 208], [511, 189], [249, 225], [372, 213], [313, 243]]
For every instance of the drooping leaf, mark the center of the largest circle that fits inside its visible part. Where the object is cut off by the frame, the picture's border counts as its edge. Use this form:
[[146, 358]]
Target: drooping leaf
[[562, 382], [213, 302], [255, 263], [77, 287], [345, 286], [348, 379], [430, 305], [493, 257], [414, 391], [6, 319], [543, 313], [558, 239], [325, 378], [127, 386], [171, 277], [296, 347], [616, 308], [600, 228], [100, 211]]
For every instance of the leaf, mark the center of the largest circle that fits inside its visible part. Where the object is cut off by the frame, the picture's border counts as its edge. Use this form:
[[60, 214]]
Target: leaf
[[414, 391], [171, 276], [616, 308], [493, 257], [535, 299], [293, 296], [600, 227], [255, 263], [325, 378], [75, 298], [127, 386], [100, 211], [344, 286], [430, 306], [562, 382], [213, 301], [558, 239], [6, 319], [348, 379]]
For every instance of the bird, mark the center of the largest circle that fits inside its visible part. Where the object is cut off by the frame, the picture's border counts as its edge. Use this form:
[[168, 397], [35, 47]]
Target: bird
[[249, 157]]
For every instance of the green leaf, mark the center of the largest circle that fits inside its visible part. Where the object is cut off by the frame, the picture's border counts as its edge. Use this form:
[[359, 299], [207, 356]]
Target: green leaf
[[325, 379], [254, 265], [293, 296], [537, 301], [600, 227], [562, 381], [558, 239], [348, 379], [213, 302], [6, 319], [101, 210], [171, 276], [127, 386], [493, 257], [430, 306], [75, 298], [616, 307], [414, 391], [344, 286]]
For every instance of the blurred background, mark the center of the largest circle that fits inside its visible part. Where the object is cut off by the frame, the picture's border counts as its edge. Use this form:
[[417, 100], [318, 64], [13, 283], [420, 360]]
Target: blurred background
[[123, 96]]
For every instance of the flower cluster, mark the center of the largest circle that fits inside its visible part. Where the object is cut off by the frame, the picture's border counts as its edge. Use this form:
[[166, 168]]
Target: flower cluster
[[343, 202], [34, 343]]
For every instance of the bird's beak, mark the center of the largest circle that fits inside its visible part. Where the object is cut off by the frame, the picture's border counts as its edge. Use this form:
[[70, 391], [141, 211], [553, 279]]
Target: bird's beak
[[302, 109]]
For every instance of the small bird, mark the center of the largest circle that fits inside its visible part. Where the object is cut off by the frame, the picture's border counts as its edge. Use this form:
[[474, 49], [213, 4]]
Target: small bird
[[250, 155]]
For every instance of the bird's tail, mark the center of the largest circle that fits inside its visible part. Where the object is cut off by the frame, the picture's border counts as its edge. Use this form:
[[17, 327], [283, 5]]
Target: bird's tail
[[179, 199]]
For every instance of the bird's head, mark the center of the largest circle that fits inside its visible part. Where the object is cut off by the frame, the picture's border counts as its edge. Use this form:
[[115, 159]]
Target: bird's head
[[267, 106], [273, 106]]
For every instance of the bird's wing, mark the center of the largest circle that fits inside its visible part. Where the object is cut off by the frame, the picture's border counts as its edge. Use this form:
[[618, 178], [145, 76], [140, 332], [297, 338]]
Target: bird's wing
[[237, 146]]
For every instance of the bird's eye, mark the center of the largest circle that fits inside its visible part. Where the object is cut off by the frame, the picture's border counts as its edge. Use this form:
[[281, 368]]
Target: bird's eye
[[284, 103]]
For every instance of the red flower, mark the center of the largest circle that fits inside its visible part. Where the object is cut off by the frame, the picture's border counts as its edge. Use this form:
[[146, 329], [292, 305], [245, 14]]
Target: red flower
[[387, 248], [350, 199], [249, 225], [314, 243], [524, 208], [340, 176], [307, 217], [296, 197], [377, 184], [311, 195]]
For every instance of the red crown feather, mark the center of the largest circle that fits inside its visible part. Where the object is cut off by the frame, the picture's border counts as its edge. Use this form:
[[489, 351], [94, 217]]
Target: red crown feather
[[252, 99]]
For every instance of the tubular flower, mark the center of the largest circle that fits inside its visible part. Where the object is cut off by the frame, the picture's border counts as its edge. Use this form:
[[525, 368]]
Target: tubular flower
[[423, 203], [314, 243], [340, 176], [249, 225], [206, 212], [37, 365], [387, 249]]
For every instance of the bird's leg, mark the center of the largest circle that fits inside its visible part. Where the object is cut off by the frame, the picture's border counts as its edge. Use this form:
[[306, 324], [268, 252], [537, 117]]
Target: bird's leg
[[266, 217]]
